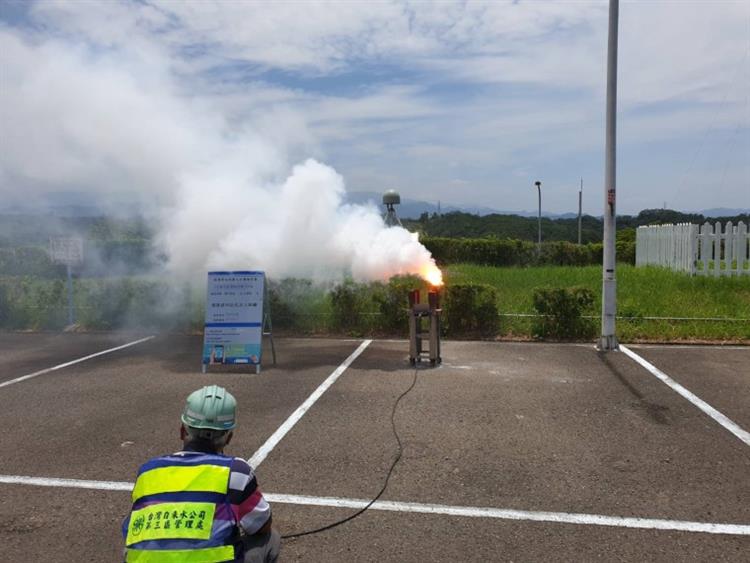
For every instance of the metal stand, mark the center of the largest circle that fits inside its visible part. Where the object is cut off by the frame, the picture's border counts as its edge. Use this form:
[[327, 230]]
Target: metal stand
[[267, 324], [417, 313]]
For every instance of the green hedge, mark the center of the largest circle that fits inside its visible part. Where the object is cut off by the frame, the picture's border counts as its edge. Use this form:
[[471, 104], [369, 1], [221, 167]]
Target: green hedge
[[28, 304], [357, 308], [128, 257], [470, 309], [348, 303], [496, 252], [563, 313], [33, 303], [392, 302], [28, 261]]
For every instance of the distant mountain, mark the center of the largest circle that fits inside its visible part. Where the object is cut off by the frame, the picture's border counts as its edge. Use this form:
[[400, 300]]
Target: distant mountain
[[80, 204], [413, 208], [724, 212]]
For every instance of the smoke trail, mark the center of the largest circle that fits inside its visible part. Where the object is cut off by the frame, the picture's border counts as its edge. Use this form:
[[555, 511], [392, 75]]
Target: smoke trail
[[299, 228], [225, 194]]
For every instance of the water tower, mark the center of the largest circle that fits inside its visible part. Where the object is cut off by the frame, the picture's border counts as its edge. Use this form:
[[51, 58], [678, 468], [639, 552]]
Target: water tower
[[391, 199]]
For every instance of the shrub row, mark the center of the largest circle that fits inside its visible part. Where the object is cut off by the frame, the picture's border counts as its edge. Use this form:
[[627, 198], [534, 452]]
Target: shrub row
[[468, 309], [128, 257], [496, 252], [29, 303], [101, 258], [564, 313], [30, 261]]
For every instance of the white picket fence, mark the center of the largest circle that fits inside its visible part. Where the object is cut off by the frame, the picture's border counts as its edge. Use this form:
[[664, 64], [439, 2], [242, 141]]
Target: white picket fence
[[702, 250]]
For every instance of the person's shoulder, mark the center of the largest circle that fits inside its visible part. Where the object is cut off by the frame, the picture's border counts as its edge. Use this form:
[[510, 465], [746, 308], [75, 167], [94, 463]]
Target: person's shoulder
[[154, 463], [241, 476], [240, 465]]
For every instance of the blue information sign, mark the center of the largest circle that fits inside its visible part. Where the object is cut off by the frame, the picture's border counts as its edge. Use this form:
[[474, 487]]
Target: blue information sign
[[233, 330]]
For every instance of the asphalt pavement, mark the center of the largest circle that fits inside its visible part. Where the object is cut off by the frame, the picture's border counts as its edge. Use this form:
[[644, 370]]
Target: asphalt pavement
[[532, 428]]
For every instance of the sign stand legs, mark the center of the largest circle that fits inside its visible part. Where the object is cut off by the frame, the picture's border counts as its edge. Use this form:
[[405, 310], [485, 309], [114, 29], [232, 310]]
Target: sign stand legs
[[267, 324]]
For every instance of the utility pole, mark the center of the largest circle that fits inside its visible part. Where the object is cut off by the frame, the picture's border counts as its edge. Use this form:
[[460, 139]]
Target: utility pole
[[538, 185], [608, 340], [580, 207]]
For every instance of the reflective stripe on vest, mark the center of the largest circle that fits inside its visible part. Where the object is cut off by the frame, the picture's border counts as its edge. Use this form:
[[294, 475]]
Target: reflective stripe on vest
[[174, 479], [207, 555]]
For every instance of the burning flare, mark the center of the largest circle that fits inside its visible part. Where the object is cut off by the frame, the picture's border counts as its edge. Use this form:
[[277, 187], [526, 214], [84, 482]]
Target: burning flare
[[432, 274]]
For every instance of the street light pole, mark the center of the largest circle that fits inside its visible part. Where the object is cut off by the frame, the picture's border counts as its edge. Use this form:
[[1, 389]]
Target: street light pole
[[538, 185], [608, 340]]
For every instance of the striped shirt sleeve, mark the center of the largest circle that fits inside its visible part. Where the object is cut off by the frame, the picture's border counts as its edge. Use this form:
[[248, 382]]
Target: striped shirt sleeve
[[250, 508]]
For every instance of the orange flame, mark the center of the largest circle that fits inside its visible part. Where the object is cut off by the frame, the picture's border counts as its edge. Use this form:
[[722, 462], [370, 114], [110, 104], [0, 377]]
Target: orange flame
[[433, 275]]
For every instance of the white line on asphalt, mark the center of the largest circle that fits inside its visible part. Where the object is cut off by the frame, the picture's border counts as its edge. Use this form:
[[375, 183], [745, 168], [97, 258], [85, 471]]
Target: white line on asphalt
[[509, 514], [733, 427], [276, 437], [72, 362], [420, 508], [693, 346], [66, 483]]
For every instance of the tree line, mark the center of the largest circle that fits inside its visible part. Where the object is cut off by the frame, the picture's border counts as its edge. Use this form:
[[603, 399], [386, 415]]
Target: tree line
[[466, 225]]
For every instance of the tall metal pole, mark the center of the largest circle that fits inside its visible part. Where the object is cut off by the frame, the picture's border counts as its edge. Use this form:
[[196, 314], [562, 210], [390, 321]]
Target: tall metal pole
[[580, 209], [538, 185], [608, 340]]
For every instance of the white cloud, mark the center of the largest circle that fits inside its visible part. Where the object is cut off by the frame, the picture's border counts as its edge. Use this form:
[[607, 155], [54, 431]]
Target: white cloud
[[693, 51], [667, 51], [494, 86], [71, 119], [224, 192]]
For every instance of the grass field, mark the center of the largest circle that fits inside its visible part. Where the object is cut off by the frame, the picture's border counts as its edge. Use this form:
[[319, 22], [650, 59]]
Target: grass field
[[641, 292]]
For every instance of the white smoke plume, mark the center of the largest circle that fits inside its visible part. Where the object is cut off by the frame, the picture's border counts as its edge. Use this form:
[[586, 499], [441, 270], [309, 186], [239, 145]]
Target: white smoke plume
[[225, 192], [298, 228]]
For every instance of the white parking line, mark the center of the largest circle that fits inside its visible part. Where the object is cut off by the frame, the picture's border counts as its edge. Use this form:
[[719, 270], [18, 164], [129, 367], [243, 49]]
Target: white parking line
[[722, 419], [67, 483], [72, 362], [276, 437], [421, 508], [693, 346], [510, 514]]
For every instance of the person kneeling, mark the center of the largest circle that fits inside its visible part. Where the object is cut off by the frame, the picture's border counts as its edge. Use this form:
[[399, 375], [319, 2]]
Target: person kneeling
[[198, 504]]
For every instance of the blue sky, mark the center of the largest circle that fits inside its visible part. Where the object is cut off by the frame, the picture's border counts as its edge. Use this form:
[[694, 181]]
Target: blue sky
[[462, 102]]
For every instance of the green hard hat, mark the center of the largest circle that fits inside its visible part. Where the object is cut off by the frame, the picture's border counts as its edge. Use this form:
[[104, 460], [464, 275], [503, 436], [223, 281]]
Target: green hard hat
[[211, 407]]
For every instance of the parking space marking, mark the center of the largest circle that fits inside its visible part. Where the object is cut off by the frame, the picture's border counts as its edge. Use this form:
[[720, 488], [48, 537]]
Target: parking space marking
[[66, 483], [693, 346], [422, 508], [73, 362], [258, 457], [722, 419], [510, 514]]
